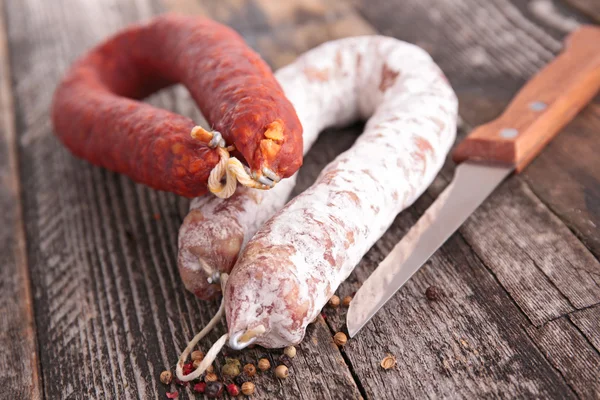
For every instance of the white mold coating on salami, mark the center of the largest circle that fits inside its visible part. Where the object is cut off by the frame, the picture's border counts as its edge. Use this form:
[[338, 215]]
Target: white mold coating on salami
[[215, 229], [296, 261]]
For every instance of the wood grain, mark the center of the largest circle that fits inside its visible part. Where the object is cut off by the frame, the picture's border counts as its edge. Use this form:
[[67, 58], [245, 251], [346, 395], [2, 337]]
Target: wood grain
[[19, 369], [539, 111], [111, 309], [589, 7], [112, 313], [588, 322], [571, 354]]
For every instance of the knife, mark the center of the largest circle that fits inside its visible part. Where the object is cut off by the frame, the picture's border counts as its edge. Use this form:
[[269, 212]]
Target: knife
[[488, 155]]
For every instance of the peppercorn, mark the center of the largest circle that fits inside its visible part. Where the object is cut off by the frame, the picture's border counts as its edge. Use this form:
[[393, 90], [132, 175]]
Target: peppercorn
[[197, 355], [433, 293], [213, 389], [248, 388], [250, 370], [166, 377], [233, 390], [290, 351], [334, 301], [210, 377], [285, 360], [282, 372], [233, 361], [196, 363], [264, 364], [173, 395], [388, 362], [346, 301], [210, 369], [188, 368], [200, 387], [230, 370], [241, 379], [340, 338]]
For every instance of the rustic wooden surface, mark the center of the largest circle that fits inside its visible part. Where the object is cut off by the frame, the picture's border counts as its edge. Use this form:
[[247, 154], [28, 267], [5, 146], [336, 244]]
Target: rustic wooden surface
[[520, 314]]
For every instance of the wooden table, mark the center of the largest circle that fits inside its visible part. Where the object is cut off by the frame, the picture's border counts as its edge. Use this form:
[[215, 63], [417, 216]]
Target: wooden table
[[91, 305]]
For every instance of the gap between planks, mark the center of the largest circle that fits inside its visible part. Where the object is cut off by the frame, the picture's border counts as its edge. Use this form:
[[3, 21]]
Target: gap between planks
[[20, 374]]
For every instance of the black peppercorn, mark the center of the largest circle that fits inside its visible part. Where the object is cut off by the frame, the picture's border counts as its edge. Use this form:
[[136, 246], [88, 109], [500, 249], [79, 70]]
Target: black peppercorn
[[285, 360], [241, 379], [213, 389], [433, 293]]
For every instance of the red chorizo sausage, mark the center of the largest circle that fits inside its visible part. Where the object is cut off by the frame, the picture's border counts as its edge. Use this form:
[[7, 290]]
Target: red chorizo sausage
[[97, 116]]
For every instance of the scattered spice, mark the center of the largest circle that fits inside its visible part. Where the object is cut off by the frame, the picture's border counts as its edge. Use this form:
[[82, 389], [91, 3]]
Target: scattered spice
[[197, 355], [340, 339], [433, 293], [250, 370], [285, 360], [264, 364], [290, 351], [166, 377], [346, 301], [214, 389], [157, 217], [210, 377], [210, 369], [200, 387], [248, 388], [388, 362], [173, 395], [334, 301], [196, 363], [282, 371], [233, 390], [230, 369], [241, 379]]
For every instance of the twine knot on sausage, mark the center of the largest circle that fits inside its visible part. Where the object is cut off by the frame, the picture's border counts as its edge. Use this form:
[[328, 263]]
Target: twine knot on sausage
[[228, 167], [242, 340]]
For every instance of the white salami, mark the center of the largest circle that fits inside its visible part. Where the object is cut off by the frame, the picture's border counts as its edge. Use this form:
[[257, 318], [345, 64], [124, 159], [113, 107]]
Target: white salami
[[295, 262], [216, 229]]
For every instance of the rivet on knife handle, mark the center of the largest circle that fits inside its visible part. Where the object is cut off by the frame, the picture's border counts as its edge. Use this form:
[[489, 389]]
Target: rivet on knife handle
[[542, 107]]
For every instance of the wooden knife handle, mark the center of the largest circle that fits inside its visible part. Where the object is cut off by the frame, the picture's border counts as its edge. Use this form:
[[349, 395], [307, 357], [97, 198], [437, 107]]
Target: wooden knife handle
[[542, 107]]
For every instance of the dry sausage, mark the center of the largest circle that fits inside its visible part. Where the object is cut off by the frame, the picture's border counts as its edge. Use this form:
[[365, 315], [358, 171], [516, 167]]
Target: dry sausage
[[97, 116], [297, 259], [215, 229]]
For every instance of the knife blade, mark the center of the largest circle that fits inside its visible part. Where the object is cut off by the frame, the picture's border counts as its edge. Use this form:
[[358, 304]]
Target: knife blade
[[486, 157]]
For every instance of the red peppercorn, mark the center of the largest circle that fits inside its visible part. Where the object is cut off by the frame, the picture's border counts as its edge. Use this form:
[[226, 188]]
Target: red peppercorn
[[233, 390], [188, 368], [173, 395], [213, 389], [200, 387]]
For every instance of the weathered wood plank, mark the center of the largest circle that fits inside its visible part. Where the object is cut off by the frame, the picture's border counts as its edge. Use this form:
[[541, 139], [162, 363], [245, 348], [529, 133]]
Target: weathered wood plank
[[571, 354], [589, 7], [485, 70], [19, 369], [588, 322], [484, 90], [571, 159], [112, 310], [544, 266], [469, 344]]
